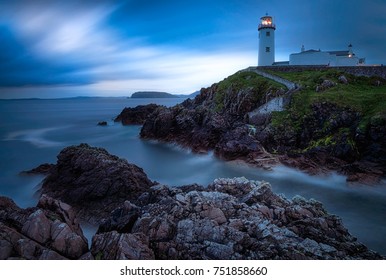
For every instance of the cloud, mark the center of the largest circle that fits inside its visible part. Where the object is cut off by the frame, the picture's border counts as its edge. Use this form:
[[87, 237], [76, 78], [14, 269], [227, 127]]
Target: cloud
[[177, 72], [60, 45]]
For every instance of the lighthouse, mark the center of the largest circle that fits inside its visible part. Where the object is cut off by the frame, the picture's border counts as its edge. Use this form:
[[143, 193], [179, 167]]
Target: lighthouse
[[266, 41]]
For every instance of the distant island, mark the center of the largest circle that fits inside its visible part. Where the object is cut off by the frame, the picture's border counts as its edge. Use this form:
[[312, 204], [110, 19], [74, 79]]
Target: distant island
[[158, 94]]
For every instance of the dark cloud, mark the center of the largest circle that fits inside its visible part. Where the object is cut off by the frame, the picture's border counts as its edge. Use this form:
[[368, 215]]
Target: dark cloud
[[20, 67], [89, 42]]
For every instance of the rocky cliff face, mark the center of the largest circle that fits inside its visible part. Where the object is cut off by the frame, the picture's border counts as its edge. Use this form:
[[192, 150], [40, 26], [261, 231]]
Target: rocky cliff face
[[229, 219], [324, 136], [216, 119]]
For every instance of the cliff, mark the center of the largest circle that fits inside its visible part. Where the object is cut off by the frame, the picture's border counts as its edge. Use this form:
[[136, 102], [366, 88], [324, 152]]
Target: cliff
[[334, 121]]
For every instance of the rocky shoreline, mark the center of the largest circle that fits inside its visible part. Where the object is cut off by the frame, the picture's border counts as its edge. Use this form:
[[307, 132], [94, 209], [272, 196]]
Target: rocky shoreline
[[226, 119], [231, 218]]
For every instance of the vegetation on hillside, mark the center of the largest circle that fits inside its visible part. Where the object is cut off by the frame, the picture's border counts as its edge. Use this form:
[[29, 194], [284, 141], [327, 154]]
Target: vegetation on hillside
[[333, 117], [367, 95], [239, 81]]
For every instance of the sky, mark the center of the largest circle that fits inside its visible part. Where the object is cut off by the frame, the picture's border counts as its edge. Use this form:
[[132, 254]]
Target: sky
[[52, 49]]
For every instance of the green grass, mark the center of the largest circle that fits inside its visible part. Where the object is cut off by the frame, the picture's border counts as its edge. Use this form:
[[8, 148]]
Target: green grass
[[360, 94]]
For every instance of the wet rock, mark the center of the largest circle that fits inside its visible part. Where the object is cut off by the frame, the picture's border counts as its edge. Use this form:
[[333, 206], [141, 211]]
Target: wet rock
[[102, 123], [121, 246], [137, 115], [230, 219], [42, 232], [237, 144], [67, 242], [37, 227], [94, 182], [214, 214]]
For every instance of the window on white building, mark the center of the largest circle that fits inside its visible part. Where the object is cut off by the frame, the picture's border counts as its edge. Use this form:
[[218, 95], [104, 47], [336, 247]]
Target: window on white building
[[268, 34], [267, 49]]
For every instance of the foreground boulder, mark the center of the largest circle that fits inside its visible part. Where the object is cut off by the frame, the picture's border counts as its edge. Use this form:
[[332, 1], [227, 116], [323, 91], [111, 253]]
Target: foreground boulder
[[48, 231], [94, 182]]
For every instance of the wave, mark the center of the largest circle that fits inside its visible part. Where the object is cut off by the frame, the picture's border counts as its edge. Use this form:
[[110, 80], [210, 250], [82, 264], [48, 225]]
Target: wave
[[36, 137]]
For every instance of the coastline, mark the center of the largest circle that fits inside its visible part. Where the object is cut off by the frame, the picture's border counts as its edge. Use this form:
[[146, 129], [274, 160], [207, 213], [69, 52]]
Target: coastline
[[162, 222]]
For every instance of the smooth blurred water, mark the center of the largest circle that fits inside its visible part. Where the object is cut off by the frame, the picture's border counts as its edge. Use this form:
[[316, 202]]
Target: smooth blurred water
[[34, 131]]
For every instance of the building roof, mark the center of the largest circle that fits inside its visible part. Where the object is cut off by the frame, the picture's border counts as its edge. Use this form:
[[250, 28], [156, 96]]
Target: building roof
[[308, 51], [311, 51], [339, 53]]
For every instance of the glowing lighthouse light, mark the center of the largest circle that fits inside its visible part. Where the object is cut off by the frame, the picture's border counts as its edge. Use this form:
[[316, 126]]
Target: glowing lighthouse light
[[266, 21]]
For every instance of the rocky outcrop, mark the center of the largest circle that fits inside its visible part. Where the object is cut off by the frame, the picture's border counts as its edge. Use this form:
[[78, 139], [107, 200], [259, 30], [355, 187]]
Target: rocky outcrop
[[136, 115], [102, 123], [230, 219], [205, 122], [94, 182], [48, 231], [232, 118]]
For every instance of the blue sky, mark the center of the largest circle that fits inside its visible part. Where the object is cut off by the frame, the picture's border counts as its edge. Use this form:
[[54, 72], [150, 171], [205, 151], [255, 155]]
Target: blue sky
[[114, 48]]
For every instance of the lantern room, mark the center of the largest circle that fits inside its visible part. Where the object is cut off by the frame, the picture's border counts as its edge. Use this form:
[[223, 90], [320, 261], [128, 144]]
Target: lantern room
[[266, 22]]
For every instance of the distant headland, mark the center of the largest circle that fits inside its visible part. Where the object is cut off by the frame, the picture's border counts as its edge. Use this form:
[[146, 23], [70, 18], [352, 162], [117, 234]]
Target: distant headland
[[158, 94]]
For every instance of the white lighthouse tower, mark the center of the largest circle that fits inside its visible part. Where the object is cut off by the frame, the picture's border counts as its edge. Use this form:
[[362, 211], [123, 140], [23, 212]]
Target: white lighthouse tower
[[266, 41]]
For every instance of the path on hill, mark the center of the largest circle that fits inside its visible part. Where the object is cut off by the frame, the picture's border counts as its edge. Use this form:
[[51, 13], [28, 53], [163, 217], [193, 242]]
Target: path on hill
[[290, 85], [277, 103]]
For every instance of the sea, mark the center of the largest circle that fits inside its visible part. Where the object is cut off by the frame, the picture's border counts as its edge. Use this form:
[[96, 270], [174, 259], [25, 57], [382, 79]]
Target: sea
[[34, 131]]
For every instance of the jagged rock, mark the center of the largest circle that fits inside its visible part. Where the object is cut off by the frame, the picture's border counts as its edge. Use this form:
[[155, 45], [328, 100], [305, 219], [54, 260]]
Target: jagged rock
[[37, 227], [136, 115], [121, 219], [239, 143], [94, 182], [48, 231], [67, 242], [124, 246], [230, 219]]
